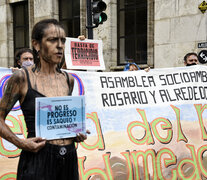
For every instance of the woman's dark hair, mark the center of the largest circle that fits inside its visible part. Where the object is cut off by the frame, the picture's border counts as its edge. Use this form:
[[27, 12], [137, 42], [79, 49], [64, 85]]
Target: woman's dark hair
[[38, 33], [18, 54]]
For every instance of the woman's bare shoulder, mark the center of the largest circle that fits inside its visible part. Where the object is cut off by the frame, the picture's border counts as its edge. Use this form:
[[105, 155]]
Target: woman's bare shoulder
[[12, 92], [18, 76], [17, 82]]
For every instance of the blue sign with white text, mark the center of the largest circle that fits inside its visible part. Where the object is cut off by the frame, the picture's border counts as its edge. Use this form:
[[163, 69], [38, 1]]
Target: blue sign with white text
[[60, 117]]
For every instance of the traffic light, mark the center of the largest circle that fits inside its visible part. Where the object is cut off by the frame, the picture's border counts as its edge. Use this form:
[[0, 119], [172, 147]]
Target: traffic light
[[98, 6]]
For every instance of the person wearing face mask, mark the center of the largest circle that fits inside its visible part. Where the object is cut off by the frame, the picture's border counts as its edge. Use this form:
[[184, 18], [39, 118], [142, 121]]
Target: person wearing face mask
[[24, 57], [190, 59]]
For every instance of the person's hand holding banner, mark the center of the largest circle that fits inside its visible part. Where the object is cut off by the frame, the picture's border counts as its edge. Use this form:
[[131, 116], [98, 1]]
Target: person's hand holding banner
[[81, 137]]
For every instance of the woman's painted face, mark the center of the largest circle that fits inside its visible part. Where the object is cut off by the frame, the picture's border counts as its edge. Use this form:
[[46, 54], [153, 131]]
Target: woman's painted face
[[53, 44]]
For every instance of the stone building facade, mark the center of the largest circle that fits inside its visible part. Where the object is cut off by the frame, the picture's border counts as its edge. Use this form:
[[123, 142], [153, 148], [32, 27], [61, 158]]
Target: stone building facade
[[179, 27], [155, 33]]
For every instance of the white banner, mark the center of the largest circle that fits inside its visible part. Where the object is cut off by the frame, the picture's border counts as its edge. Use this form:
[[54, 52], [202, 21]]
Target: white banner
[[144, 125]]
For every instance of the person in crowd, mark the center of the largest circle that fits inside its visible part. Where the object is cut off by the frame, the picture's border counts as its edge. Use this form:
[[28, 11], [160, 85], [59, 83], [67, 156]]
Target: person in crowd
[[24, 57], [191, 59], [131, 66], [41, 159]]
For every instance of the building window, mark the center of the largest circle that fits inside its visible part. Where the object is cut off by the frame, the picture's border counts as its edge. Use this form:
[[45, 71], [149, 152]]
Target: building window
[[69, 17], [21, 25], [132, 31]]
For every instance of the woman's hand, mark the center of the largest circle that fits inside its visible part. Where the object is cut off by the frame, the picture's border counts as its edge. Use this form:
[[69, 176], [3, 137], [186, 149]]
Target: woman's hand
[[33, 144], [81, 137]]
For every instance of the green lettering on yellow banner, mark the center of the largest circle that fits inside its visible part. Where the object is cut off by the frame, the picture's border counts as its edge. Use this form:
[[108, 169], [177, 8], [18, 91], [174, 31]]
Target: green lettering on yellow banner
[[8, 176], [19, 128]]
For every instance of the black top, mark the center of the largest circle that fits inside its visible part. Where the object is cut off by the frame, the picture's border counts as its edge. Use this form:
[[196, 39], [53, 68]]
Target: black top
[[28, 105]]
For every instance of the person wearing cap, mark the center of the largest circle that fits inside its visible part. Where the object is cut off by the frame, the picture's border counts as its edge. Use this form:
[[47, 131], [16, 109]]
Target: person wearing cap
[[134, 67], [131, 67]]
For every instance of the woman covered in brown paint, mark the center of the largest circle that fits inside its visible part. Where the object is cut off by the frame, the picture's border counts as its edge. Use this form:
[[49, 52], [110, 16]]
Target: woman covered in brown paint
[[41, 159]]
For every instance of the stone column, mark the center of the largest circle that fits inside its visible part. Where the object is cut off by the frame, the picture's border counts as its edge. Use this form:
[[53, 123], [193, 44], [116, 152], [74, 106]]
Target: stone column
[[6, 44]]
